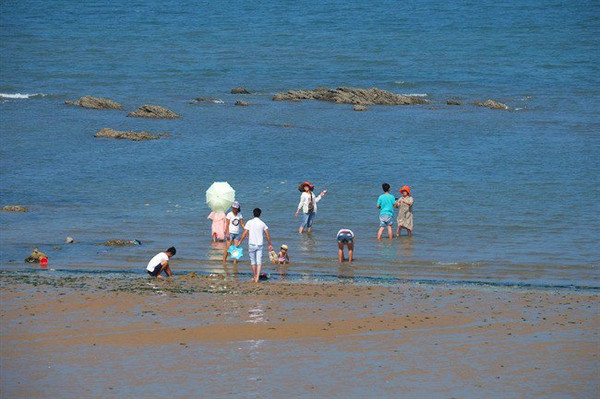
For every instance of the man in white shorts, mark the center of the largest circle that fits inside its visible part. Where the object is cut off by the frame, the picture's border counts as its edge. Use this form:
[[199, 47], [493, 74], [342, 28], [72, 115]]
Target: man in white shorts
[[160, 263], [254, 230]]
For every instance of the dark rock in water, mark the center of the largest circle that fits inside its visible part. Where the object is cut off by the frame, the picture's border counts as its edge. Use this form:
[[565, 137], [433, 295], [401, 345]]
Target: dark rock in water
[[95, 103], [154, 111], [287, 125], [206, 100], [35, 256], [360, 108], [453, 102], [350, 95], [121, 243], [242, 103], [492, 104], [14, 208], [240, 90], [129, 135]]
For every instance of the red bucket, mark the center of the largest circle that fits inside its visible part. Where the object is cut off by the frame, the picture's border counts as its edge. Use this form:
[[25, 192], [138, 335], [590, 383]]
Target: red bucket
[[44, 262]]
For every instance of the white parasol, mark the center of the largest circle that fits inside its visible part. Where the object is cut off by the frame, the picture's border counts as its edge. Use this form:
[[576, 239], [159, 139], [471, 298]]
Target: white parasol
[[220, 196]]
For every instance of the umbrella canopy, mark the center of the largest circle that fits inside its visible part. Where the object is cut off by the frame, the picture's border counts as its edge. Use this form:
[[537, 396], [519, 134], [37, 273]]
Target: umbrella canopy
[[220, 196]]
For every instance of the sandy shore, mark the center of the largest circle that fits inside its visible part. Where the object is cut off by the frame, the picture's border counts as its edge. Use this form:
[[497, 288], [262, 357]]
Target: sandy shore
[[200, 337]]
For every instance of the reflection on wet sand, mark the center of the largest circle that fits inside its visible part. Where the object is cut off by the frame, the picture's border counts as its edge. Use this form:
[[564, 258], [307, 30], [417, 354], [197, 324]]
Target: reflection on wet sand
[[345, 270], [404, 247], [282, 270], [231, 270], [216, 250]]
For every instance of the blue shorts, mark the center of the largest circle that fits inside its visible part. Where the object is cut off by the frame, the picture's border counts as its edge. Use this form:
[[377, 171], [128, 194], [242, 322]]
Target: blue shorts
[[345, 237], [385, 220], [307, 219], [234, 236], [255, 252]]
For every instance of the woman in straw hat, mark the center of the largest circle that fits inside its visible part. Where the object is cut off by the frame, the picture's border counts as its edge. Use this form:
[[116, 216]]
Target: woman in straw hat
[[308, 205], [405, 215]]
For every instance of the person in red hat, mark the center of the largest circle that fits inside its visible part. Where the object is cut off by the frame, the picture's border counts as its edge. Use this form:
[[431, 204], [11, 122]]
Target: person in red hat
[[405, 215], [308, 205]]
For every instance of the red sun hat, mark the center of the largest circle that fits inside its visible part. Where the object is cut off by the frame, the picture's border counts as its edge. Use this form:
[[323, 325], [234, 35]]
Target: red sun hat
[[405, 188], [301, 186]]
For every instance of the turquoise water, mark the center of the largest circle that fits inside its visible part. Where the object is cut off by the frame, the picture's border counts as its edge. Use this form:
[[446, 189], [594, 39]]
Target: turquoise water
[[499, 196]]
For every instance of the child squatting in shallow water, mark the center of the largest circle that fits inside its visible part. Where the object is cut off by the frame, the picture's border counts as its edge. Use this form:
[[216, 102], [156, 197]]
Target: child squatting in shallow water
[[283, 257], [405, 215]]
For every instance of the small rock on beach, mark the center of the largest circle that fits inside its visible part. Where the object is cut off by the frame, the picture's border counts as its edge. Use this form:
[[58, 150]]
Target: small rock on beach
[[153, 111], [14, 208], [35, 256], [128, 135], [95, 103]]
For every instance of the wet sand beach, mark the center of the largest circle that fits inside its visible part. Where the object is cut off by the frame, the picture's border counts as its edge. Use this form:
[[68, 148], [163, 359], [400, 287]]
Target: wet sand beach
[[89, 336]]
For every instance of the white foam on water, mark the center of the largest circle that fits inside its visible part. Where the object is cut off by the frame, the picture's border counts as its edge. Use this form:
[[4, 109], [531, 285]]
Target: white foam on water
[[20, 96], [218, 101], [416, 95]]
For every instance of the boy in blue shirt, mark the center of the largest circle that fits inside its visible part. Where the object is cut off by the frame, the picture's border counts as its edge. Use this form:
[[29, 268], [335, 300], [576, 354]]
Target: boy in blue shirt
[[385, 204]]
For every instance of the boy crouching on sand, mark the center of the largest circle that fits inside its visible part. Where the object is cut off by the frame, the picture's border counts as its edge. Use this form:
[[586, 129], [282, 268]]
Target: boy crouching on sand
[[160, 263]]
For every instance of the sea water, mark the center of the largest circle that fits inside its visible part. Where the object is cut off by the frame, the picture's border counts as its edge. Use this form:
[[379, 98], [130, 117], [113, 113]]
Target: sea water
[[500, 196]]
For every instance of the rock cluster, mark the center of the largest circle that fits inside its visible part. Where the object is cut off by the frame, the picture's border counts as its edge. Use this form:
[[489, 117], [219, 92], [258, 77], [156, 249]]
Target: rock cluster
[[121, 243], [240, 90], [95, 103], [14, 208], [491, 104], [154, 111], [128, 135], [350, 95], [205, 100], [35, 256]]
